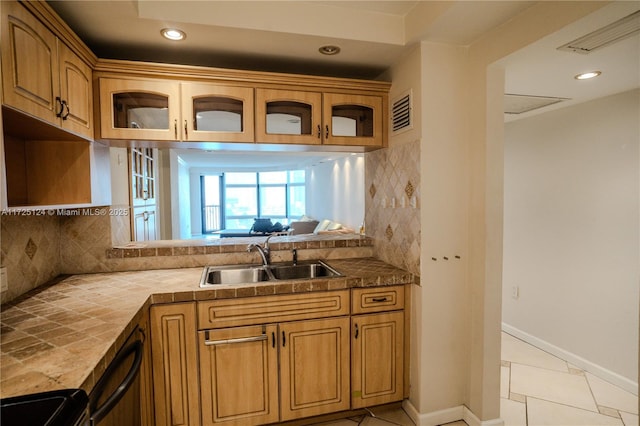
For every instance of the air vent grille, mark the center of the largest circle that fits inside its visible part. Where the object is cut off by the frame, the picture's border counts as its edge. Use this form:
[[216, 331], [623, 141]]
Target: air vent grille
[[401, 111], [518, 104], [621, 29]]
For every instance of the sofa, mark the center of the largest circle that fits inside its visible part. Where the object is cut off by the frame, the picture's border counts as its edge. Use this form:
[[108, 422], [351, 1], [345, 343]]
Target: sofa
[[312, 226], [302, 227]]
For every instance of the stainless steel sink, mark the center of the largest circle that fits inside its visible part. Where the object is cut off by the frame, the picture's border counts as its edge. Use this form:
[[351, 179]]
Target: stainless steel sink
[[248, 274], [234, 274], [303, 270]]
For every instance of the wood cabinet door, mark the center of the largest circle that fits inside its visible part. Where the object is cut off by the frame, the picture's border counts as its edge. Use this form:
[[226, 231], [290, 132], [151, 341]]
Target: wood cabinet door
[[76, 90], [314, 367], [175, 364], [139, 109], [288, 117], [144, 223], [29, 63], [352, 120], [239, 375], [377, 359], [216, 113], [142, 176]]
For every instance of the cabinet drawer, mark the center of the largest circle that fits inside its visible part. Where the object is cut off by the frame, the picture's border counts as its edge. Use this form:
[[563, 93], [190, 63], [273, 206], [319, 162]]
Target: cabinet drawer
[[379, 299], [267, 309]]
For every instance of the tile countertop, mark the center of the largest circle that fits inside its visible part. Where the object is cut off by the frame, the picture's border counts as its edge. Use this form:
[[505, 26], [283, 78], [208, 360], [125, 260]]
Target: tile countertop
[[64, 334]]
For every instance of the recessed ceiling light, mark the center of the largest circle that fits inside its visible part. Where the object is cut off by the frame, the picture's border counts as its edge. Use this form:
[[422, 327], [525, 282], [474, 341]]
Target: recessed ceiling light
[[587, 75], [173, 34], [329, 50]]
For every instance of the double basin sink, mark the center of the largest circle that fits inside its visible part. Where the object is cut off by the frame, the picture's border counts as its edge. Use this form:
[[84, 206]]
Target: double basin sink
[[248, 274]]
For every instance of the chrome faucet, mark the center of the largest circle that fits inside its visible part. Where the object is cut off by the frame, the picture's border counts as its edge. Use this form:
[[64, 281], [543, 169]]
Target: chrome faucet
[[264, 250]]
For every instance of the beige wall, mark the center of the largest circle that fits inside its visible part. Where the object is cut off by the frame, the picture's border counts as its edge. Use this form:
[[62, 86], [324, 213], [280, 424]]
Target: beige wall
[[572, 178], [444, 295], [486, 183], [456, 311]]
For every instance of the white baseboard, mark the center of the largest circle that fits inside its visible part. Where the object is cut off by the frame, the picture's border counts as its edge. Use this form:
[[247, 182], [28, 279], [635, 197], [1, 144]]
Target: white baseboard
[[448, 415], [578, 361], [472, 420]]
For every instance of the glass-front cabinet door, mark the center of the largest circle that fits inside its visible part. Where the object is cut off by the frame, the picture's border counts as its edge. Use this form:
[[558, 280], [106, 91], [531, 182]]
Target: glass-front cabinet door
[[217, 113], [139, 109], [352, 120], [288, 116]]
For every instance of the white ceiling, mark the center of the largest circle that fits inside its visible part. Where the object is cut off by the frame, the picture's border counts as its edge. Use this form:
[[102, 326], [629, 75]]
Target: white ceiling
[[284, 36], [280, 35]]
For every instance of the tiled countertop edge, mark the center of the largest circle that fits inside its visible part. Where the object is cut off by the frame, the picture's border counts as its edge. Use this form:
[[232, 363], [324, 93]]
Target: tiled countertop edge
[[233, 245]]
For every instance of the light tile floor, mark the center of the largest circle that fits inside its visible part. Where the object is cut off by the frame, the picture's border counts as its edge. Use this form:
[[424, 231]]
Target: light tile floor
[[537, 389], [540, 389]]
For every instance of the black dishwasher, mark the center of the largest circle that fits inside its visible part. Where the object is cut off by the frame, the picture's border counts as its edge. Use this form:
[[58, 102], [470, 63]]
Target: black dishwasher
[[68, 407], [115, 399]]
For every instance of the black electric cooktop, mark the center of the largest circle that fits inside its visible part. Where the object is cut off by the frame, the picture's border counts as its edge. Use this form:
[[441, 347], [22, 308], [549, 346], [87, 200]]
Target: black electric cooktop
[[56, 408]]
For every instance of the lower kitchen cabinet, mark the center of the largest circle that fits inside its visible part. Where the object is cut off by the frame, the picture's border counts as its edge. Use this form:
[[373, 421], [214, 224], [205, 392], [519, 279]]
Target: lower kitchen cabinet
[[314, 367], [239, 371], [175, 364], [239, 375], [268, 359], [377, 359]]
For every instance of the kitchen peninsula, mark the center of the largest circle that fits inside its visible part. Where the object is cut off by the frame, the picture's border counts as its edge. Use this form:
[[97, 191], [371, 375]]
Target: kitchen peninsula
[[65, 333]]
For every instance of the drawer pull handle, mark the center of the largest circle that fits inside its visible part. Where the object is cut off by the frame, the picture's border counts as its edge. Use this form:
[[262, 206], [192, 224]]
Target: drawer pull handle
[[238, 340], [379, 299]]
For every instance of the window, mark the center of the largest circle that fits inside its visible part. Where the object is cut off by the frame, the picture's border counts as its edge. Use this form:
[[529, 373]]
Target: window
[[278, 195]]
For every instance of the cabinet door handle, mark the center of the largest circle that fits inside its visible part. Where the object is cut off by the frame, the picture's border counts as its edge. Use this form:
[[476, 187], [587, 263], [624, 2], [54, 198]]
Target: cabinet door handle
[[59, 102], [273, 339], [357, 331], [379, 299], [65, 105], [284, 339], [319, 131], [185, 130], [175, 128], [326, 132], [238, 340]]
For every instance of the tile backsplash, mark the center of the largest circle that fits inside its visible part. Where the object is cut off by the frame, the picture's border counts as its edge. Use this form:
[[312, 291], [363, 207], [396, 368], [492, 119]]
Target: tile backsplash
[[36, 249], [30, 251], [392, 204]]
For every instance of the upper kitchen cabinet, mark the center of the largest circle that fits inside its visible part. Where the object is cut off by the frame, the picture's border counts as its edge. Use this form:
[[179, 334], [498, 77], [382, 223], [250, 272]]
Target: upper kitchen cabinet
[[353, 120], [199, 105], [139, 109], [166, 110], [287, 116], [42, 77], [212, 112], [314, 118]]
